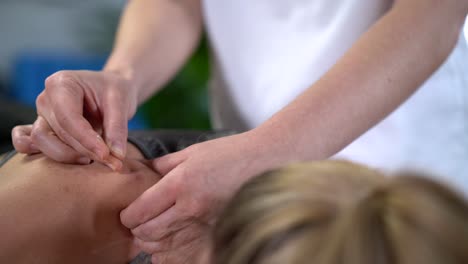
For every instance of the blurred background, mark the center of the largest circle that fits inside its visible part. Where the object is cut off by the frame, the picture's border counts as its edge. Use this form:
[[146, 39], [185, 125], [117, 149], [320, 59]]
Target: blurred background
[[40, 37]]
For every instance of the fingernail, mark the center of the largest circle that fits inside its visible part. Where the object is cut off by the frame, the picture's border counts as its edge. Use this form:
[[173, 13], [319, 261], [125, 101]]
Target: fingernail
[[110, 165], [118, 150], [115, 165], [101, 150], [84, 160]]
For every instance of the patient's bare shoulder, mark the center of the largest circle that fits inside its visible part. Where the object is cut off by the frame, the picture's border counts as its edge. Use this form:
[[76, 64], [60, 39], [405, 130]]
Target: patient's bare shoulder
[[70, 209]]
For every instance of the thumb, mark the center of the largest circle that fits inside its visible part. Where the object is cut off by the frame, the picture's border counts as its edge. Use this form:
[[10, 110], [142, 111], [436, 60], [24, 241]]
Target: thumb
[[150, 204], [116, 123], [167, 163]]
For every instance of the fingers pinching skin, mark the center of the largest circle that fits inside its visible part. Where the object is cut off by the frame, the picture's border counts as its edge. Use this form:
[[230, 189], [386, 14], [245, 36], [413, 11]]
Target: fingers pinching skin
[[74, 124], [88, 111], [109, 160], [69, 140], [114, 163], [47, 141], [61, 104], [83, 134], [21, 137]]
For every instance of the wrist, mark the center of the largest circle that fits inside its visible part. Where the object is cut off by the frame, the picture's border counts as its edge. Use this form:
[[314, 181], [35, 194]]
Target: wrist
[[128, 74], [266, 151]]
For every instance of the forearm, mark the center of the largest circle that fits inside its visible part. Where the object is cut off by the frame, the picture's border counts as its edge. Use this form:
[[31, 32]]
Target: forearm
[[154, 39], [382, 69]]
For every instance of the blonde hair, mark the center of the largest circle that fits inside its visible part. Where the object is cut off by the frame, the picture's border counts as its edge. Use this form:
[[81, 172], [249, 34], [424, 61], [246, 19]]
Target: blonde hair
[[337, 212]]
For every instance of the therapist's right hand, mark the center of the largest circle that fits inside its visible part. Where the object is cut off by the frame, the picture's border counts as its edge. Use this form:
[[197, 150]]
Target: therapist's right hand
[[83, 114]]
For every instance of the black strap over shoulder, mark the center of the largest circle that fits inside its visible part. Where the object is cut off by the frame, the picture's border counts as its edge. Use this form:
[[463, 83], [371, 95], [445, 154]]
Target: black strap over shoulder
[[6, 157], [158, 143]]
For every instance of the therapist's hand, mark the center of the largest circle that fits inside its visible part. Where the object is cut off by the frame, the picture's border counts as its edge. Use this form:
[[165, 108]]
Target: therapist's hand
[[197, 183], [88, 112]]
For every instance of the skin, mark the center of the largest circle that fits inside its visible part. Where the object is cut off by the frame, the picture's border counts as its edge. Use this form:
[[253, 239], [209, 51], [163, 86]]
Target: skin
[[61, 213], [382, 69]]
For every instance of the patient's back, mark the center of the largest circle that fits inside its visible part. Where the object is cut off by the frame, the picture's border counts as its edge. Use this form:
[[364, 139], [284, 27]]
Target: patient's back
[[62, 213]]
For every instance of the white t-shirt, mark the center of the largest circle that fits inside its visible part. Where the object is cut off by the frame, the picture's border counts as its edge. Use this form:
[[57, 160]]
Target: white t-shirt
[[266, 52]]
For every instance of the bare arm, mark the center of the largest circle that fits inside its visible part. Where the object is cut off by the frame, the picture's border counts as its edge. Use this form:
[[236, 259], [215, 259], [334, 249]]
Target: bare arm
[[378, 73], [154, 39]]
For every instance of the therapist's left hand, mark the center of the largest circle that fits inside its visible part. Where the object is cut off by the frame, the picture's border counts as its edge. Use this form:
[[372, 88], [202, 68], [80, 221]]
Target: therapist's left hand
[[197, 183]]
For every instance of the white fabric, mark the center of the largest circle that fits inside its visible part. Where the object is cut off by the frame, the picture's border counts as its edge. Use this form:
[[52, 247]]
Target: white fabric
[[427, 133], [269, 51]]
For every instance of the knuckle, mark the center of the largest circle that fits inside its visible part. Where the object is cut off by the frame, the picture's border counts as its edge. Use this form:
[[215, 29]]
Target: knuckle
[[19, 144], [143, 233], [41, 100], [58, 79], [16, 132]]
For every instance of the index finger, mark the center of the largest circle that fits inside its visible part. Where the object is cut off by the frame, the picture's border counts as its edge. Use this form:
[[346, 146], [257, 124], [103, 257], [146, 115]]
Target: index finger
[[21, 138], [153, 202], [68, 111], [80, 129]]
